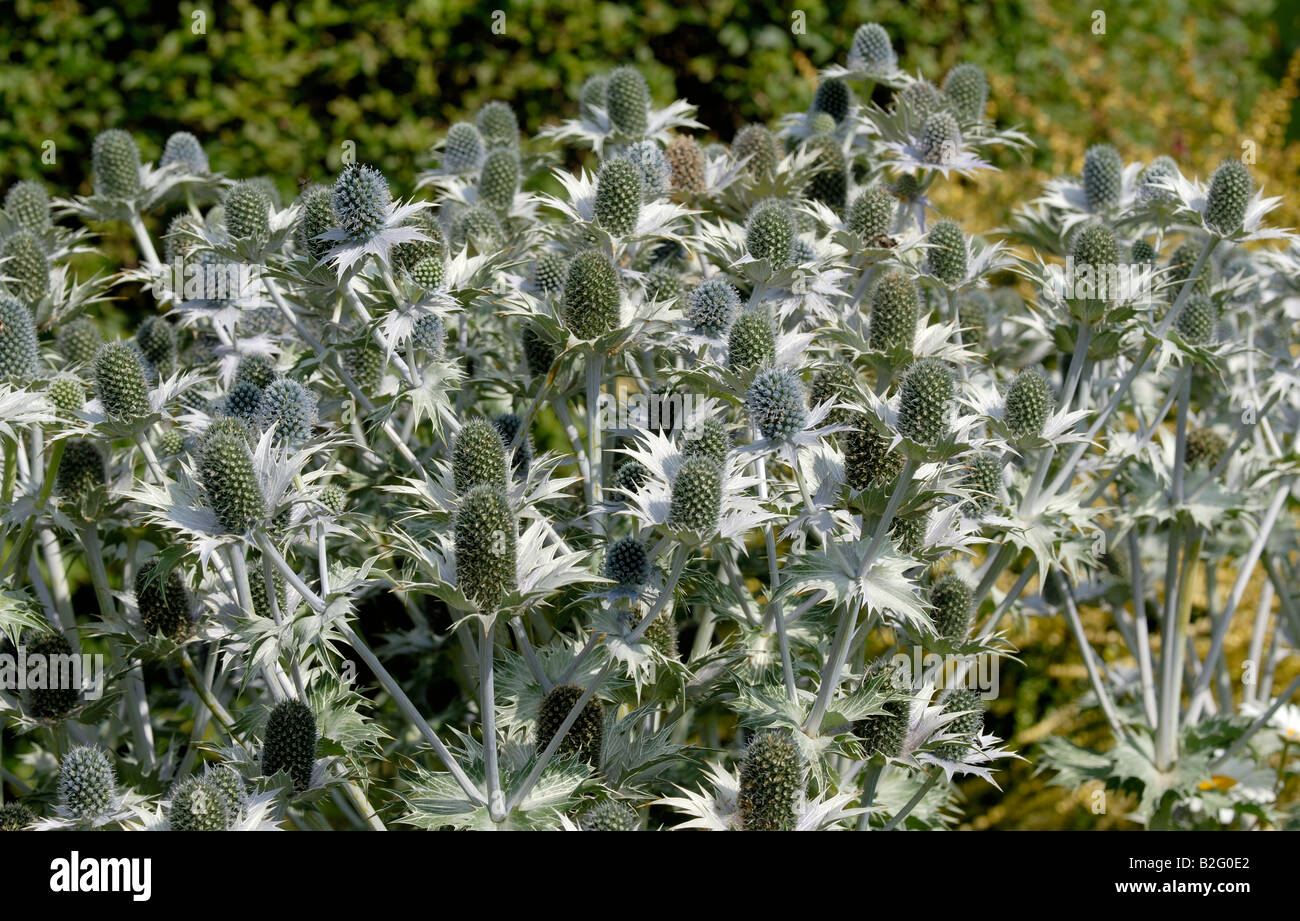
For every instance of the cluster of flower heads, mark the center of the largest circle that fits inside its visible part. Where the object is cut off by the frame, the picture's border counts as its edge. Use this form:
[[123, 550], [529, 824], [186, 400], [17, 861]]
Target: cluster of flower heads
[[664, 467]]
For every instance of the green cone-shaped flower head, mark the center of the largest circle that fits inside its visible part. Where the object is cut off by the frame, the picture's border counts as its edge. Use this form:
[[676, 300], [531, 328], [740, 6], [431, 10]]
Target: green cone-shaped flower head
[[908, 532], [291, 408], [895, 305], [333, 497], [1094, 244], [28, 205], [1103, 177], [867, 458], [752, 341], [499, 180], [1029, 403], [77, 340], [609, 815], [919, 99], [197, 805], [970, 705], [627, 99], [591, 295], [1228, 197], [592, 95], [27, 264], [485, 545], [478, 457], [836, 384], [951, 598], [171, 443], [983, 477], [67, 393], [709, 439], [243, 401], [663, 282], [967, 90], [651, 165], [627, 562], [1198, 317], [87, 783], [315, 216], [661, 634], [696, 496], [19, 352], [226, 780], [464, 149], [115, 159], [829, 183], [184, 151], [549, 271], [157, 343], [585, 737], [289, 742], [230, 480], [256, 369], [776, 404], [686, 163], [14, 816], [926, 397], [769, 232], [771, 778], [56, 701], [757, 143], [630, 476], [82, 469], [947, 256], [162, 600], [1181, 262], [618, 196], [508, 426], [834, 98], [360, 200], [871, 50], [711, 306], [430, 333], [940, 140], [248, 211], [1158, 171], [871, 213], [120, 381], [539, 354], [497, 123], [1142, 252], [1205, 448]]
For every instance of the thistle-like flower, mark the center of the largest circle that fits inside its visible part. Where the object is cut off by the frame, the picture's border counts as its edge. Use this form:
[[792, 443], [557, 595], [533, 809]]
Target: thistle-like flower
[[895, 306], [289, 742], [618, 196], [27, 264], [198, 805], [967, 90], [591, 295], [163, 601], [87, 783], [871, 213], [28, 205], [984, 478], [77, 341], [871, 50], [14, 816], [776, 404], [1205, 447], [463, 150], [1228, 197], [756, 143], [67, 393], [1029, 403], [53, 702], [585, 737], [115, 159], [710, 439], [290, 408], [248, 211], [627, 562], [478, 457], [499, 179], [686, 165], [770, 782], [947, 256], [651, 165], [1198, 317], [770, 232], [970, 705], [927, 394], [230, 480], [834, 98], [940, 140], [950, 598], [83, 468], [627, 100], [609, 815], [19, 352], [157, 343], [184, 151], [697, 496], [752, 341], [711, 306], [497, 123], [360, 201], [1103, 176], [486, 538], [120, 381]]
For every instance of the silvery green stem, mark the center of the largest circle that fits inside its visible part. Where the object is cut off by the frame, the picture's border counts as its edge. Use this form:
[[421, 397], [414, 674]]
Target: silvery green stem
[[774, 576], [150, 459], [1145, 661], [575, 442], [911, 804], [1184, 388], [595, 372], [145, 242], [1079, 358], [488, 708], [870, 778], [273, 602], [59, 586], [1090, 663], [530, 655], [1170, 651], [830, 676], [1260, 722], [364, 315], [204, 691], [1259, 631], [891, 509], [994, 568], [202, 716], [322, 563]]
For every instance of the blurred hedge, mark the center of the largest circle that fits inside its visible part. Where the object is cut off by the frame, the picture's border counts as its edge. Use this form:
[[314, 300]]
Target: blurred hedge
[[276, 88]]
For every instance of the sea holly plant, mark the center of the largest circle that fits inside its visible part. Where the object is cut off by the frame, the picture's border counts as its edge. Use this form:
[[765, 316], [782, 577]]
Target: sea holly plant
[[700, 482]]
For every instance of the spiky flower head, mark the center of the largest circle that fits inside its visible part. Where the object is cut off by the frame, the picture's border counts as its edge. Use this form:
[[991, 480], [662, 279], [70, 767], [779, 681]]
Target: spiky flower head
[[884, 734], [618, 196], [709, 439], [834, 98], [1029, 403], [776, 404], [333, 497], [289, 742], [499, 179], [770, 782], [983, 477], [835, 384], [478, 456], [408, 254], [55, 701], [539, 354], [291, 408], [906, 188], [829, 183], [651, 165], [663, 282], [230, 481], [157, 343], [464, 149], [895, 305], [315, 216], [497, 123], [967, 90], [871, 49], [256, 369], [697, 495], [591, 295], [630, 476], [867, 458], [627, 98], [248, 211], [711, 306], [769, 232], [627, 561], [28, 205], [366, 365], [1205, 447], [940, 140], [226, 779], [478, 226], [951, 599], [26, 262], [592, 95], [1181, 263], [1094, 244], [549, 271], [1159, 170], [508, 426], [921, 98], [82, 469], [360, 200], [171, 443], [162, 600], [971, 706], [120, 381], [661, 634], [67, 393], [14, 816], [243, 401], [115, 160], [752, 341], [871, 213], [184, 150], [1197, 320], [585, 737], [1142, 252], [947, 256], [198, 805], [609, 815], [757, 143], [1228, 196], [1103, 176], [87, 783], [429, 274], [686, 164], [430, 334], [18, 348], [908, 532], [927, 393], [485, 544]]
